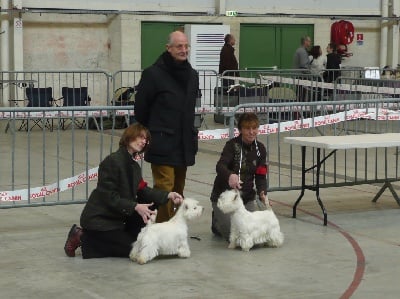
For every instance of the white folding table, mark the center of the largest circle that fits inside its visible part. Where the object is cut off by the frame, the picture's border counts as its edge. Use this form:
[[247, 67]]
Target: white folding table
[[335, 143]]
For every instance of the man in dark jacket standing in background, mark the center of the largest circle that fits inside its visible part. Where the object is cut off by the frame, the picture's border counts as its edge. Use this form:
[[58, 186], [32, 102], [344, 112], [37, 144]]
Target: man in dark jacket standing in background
[[227, 60], [165, 104]]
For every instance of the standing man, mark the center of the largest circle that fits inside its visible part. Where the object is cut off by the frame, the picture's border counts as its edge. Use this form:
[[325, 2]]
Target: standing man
[[227, 59], [165, 104], [301, 59]]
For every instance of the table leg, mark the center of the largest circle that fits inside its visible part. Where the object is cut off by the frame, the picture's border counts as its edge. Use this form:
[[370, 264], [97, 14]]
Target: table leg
[[303, 179], [387, 185], [317, 179], [319, 163]]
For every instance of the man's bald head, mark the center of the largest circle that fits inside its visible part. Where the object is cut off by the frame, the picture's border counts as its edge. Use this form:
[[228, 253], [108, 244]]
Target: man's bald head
[[178, 46]]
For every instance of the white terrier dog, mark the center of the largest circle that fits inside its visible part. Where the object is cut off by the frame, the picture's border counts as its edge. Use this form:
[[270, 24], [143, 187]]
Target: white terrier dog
[[166, 238], [249, 228]]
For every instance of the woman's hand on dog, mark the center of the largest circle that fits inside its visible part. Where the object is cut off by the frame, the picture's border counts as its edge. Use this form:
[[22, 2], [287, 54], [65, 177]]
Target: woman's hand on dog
[[143, 210], [175, 197], [234, 181]]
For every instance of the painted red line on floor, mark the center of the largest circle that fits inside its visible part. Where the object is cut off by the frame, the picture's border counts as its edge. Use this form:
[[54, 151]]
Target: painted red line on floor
[[360, 265]]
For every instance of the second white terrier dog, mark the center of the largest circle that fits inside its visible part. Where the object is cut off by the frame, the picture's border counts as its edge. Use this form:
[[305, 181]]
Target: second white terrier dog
[[166, 238], [249, 228]]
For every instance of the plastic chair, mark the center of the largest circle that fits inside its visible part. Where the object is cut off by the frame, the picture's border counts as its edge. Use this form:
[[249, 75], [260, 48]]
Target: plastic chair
[[124, 96], [38, 97], [75, 96]]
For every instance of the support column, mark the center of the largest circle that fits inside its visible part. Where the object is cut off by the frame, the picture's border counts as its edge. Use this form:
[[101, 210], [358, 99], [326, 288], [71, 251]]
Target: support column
[[220, 7], [395, 26], [384, 34], [18, 45]]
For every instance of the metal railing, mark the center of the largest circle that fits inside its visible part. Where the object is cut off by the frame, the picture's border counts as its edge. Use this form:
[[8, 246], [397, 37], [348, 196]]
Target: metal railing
[[58, 166], [327, 118]]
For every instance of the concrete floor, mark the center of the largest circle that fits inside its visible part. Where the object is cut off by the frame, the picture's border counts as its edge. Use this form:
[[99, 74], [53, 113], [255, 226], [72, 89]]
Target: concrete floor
[[355, 256]]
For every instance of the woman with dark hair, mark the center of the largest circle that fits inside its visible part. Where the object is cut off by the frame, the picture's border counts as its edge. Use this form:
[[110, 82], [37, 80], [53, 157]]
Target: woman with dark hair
[[242, 164], [317, 61], [333, 61], [120, 205]]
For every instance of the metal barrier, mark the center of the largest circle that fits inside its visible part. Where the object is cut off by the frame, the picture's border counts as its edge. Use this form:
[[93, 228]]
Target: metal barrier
[[268, 86], [13, 85], [58, 166], [43, 167], [208, 80], [347, 88], [46, 167], [330, 118]]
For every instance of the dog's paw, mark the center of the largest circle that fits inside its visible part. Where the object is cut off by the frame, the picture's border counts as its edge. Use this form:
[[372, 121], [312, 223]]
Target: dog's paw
[[232, 245], [141, 261], [184, 251], [132, 256], [184, 254]]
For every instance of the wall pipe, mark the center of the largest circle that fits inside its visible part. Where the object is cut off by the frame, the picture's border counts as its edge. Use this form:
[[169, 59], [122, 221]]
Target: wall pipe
[[191, 13], [5, 56]]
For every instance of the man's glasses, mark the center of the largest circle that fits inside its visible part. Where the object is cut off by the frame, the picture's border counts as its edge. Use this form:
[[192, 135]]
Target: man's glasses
[[181, 46]]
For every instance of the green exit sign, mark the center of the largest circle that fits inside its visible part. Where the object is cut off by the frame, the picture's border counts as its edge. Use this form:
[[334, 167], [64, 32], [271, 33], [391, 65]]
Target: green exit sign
[[231, 13]]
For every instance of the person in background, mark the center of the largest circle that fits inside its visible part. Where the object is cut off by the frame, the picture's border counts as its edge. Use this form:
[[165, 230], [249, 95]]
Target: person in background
[[388, 73], [333, 61], [227, 60], [165, 103], [317, 61], [301, 58], [242, 164], [301, 62], [120, 205]]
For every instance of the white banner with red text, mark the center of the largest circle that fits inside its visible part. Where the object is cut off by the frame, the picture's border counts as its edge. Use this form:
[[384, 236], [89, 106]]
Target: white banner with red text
[[265, 129]]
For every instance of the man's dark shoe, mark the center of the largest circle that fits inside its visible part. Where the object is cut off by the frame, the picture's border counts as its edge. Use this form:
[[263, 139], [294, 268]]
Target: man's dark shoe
[[73, 240]]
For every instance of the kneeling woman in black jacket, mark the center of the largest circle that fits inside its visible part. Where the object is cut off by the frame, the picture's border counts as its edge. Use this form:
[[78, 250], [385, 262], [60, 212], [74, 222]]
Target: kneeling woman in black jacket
[[120, 205]]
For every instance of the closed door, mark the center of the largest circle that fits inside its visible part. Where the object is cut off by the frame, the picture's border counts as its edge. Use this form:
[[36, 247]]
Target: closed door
[[267, 45]]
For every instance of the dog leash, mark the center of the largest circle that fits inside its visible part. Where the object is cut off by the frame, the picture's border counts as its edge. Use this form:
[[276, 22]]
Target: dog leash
[[241, 155]]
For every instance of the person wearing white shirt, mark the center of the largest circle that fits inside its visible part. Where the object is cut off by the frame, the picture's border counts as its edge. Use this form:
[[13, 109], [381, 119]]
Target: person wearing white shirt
[[317, 61]]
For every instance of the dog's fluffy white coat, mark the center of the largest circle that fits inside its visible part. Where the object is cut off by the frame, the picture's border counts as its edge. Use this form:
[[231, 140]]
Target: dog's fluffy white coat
[[166, 238], [249, 228]]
